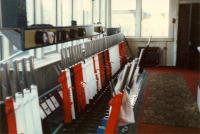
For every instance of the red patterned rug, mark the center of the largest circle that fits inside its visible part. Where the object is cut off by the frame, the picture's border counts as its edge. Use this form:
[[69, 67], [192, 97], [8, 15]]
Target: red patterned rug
[[170, 102]]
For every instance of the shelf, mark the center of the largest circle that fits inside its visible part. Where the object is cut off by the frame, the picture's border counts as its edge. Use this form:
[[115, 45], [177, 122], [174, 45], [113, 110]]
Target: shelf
[[37, 37]]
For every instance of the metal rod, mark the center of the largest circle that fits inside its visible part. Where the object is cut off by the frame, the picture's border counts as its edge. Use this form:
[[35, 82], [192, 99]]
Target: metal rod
[[8, 89], [67, 57], [31, 65], [16, 76], [51, 90], [24, 72], [62, 58]]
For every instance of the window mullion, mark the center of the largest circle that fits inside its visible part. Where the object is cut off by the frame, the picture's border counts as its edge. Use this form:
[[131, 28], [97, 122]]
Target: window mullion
[[1, 46], [123, 11], [6, 52], [138, 18], [106, 9], [109, 10], [99, 10]]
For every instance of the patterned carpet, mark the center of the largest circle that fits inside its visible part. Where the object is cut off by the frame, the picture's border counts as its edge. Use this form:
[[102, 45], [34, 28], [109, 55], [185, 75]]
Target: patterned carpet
[[170, 102]]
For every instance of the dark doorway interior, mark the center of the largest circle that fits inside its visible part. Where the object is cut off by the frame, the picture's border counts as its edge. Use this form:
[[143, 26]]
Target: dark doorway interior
[[189, 36]]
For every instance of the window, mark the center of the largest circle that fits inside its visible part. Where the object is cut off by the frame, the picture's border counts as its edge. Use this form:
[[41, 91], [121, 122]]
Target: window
[[59, 13], [96, 11], [87, 12], [123, 15], [126, 22], [49, 12], [155, 17], [1, 48], [49, 17], [78, 11], [103, 12], [38, 11], [151, 17], [123, 5], [30, 12], [5, 47], [66, 12]]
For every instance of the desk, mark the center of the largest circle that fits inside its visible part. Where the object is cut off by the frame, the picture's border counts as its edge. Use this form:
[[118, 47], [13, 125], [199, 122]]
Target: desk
[[151, 56]]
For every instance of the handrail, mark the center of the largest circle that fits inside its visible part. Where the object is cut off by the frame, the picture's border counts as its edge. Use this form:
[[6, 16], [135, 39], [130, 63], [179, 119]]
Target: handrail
[[10, 57]]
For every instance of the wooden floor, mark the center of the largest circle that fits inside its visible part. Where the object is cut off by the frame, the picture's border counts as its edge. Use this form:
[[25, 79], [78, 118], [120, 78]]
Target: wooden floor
[[192, 78]]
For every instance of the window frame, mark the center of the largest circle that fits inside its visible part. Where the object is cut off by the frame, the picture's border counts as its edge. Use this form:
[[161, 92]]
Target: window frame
[[102, 12], [39, 53], [168, 24], [128, 11], [43, 53], [1, 47], [138, 19]]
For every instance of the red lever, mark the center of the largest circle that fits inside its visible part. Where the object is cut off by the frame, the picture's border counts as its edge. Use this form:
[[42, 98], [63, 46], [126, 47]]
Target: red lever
[[122, 53], [10, 116], [112, 125], [80, 92], [66, 98]]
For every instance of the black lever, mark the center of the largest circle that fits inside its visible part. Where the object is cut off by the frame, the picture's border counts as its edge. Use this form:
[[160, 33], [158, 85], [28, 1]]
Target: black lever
[[6, 90]]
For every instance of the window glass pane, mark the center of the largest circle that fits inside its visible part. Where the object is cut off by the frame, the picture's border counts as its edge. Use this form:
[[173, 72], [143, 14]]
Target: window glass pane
[[5, 47], [155, 17], [59, 13], [96, 11], [87, 12], [126, 22], [30, 12], [38, 11], [103, 12], [66, 12], [123, 15], [49, 12], [124, 4], [49, 17], [78, 11], [1, 48]]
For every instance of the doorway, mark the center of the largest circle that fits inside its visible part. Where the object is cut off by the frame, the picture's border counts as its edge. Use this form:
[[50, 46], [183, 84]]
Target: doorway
[[189, 36]]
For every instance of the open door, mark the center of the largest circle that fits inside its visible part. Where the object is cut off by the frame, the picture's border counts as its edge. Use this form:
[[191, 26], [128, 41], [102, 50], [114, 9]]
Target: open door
[[189, 36]]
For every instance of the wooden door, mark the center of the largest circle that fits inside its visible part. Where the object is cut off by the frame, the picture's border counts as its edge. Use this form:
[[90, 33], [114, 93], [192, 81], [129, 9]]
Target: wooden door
[[188, 36]]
